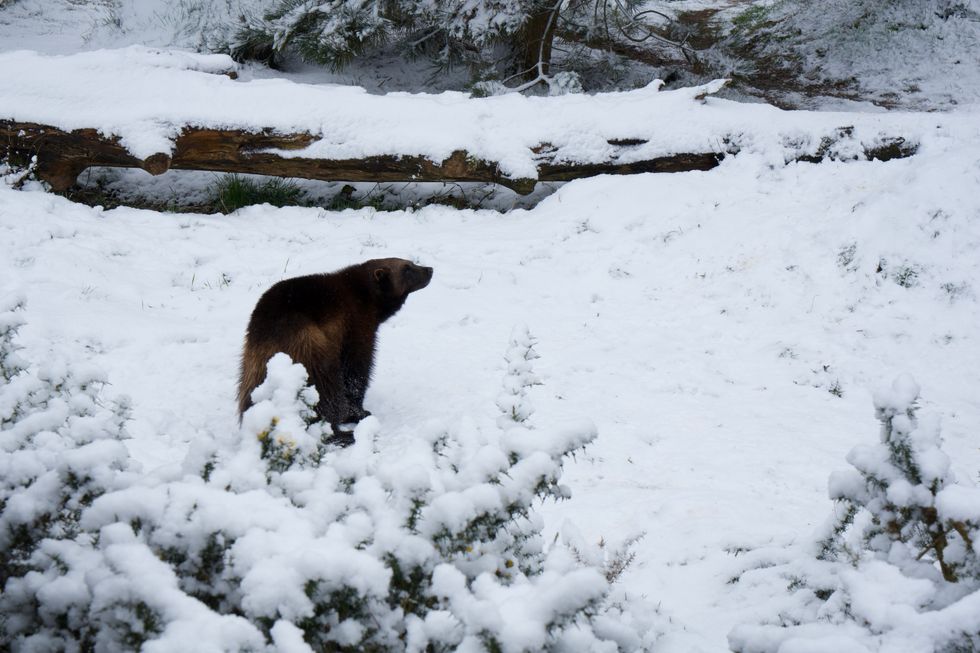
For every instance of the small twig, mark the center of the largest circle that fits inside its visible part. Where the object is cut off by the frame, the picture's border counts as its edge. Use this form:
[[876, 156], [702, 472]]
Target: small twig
[[960, 528]]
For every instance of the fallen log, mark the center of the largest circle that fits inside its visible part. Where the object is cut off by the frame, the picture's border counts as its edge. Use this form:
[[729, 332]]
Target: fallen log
[[188, 115], [62, 155]]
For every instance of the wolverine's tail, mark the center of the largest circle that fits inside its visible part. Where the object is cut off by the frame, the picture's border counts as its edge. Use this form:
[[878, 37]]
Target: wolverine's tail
[[252, 375]]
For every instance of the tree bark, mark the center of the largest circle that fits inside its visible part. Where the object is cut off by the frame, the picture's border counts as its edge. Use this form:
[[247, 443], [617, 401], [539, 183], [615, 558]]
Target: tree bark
[[536, 39]]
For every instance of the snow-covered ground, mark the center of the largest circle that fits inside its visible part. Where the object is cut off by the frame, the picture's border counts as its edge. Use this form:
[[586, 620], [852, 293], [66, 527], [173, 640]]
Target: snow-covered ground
[[724, 330]]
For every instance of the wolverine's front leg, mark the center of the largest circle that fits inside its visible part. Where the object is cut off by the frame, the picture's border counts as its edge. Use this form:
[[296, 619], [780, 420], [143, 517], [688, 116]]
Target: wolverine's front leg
[[333, 405], [357, 364]]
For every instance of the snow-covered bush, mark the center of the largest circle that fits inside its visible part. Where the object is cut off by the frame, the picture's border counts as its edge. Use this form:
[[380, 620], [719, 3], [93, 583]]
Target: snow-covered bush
[[332, 32], [276, 540], [513, 401], [507, 45], [898, 567], [61, 450], [18, 176], [901, 491]]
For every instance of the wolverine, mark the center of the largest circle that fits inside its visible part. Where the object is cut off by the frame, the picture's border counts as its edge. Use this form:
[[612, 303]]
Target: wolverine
[[329, 323]]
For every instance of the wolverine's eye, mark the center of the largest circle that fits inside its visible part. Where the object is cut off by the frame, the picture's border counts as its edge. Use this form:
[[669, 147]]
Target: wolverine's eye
[[409, 273]]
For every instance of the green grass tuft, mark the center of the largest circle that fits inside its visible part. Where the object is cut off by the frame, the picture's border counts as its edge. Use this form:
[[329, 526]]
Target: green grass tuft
[[233, 192]]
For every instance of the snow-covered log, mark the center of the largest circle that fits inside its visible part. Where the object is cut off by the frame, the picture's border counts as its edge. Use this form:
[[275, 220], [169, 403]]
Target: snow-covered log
[[63, 155], [157, 110]]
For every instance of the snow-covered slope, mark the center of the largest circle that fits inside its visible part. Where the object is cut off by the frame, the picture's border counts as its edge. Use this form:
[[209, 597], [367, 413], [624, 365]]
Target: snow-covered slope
[[904, 53]]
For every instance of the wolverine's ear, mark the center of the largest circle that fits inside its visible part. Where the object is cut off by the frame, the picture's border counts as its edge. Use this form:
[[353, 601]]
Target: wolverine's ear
[[380, 273]]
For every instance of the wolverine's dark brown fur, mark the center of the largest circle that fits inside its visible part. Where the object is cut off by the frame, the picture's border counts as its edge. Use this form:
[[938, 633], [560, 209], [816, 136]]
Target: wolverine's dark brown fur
[[328, 322]]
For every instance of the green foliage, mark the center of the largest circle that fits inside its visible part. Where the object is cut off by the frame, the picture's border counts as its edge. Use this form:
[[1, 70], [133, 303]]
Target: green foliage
[[253, 43], [836, 389], [142, 628], [233, 192], [907, 276], [11, 364], [330, 32], [503, 44], [326, 32], [752, 18], [278, 450], [513, 402], [62, 449]]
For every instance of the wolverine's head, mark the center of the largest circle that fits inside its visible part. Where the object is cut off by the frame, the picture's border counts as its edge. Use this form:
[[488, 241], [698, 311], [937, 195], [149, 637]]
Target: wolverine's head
[[394, 279]]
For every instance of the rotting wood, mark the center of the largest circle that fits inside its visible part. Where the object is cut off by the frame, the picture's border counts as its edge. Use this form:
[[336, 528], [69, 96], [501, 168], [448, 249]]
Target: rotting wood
[[886, 149], [675, 163]]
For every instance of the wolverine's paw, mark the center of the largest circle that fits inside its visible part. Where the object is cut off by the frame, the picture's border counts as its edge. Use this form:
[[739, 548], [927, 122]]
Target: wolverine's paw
[[355, 415], [340, 439]]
